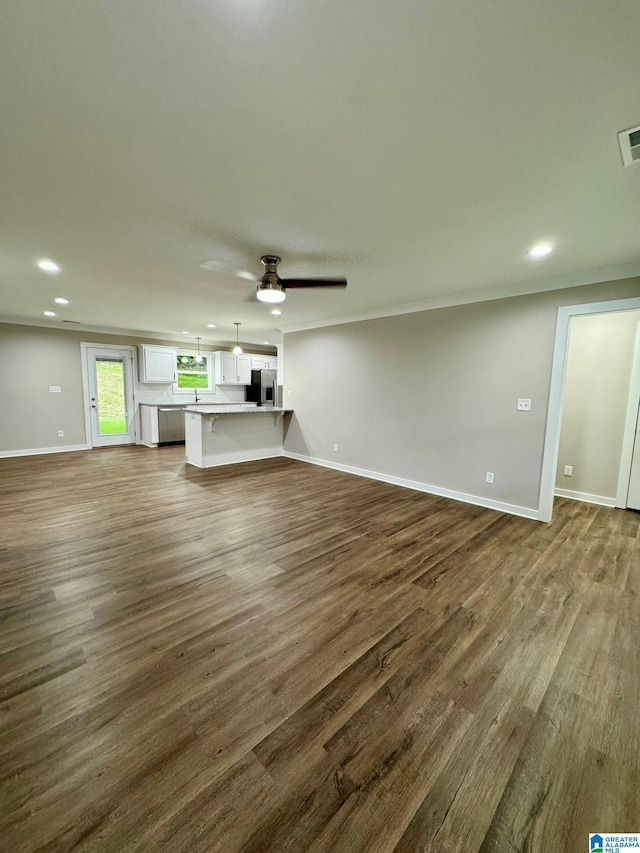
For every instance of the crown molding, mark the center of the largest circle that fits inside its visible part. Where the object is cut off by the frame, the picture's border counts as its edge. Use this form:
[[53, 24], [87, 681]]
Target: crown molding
[[617, 273]]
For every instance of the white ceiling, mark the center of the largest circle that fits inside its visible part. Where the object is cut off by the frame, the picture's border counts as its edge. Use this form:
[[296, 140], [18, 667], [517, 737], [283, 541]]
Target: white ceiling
[[419, 147]]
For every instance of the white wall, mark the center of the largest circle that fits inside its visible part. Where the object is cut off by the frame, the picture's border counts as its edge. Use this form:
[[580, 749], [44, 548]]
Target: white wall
[[594, 408], [431, 397]]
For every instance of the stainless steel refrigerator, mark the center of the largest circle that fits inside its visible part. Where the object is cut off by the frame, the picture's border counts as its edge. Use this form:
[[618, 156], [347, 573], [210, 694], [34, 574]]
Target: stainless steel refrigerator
[[263, 389]]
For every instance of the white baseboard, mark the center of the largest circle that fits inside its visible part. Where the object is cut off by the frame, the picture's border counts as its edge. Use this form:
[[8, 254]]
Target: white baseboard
[[39, 451], [512, 509], [585, 496]]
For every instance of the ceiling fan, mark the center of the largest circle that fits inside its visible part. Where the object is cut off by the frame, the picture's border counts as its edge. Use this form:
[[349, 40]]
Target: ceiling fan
[[272, 288]]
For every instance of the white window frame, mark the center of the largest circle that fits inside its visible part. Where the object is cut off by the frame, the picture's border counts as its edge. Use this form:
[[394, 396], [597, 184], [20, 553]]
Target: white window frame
[[192, 354]]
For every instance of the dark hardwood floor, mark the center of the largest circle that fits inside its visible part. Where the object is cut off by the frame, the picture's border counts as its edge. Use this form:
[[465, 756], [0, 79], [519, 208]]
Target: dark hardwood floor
[[279, 657]]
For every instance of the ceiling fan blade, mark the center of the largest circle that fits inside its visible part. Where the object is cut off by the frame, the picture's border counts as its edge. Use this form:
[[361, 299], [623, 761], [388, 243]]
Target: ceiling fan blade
[[330, 281]]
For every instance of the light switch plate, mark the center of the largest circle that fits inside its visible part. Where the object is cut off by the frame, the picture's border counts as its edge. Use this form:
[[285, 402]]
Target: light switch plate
[[54, 389], [489, 477], [524, 405]]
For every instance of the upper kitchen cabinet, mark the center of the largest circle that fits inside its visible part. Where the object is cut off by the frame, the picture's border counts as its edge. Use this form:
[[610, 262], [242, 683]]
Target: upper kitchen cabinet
[[230, 369], [264, 362], [156, 363]]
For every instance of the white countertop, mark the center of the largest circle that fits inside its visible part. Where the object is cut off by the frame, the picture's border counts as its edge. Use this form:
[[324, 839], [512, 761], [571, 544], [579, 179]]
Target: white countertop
[[234, 410], [192, 406]]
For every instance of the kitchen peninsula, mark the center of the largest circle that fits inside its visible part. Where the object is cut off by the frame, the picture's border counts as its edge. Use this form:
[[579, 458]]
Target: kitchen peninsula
[[222, 435]]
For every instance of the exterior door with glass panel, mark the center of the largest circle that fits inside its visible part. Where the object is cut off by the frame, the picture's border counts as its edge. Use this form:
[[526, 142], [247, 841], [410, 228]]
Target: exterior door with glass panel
[[111, 406]]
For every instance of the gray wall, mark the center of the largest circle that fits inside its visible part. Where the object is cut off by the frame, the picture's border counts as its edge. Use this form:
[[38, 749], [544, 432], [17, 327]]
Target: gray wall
[[595, 401], [35, 357], [431, 397]]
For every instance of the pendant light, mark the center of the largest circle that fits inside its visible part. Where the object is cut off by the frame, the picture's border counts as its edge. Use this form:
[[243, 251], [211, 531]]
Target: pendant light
[[237, 350], [198, 359]]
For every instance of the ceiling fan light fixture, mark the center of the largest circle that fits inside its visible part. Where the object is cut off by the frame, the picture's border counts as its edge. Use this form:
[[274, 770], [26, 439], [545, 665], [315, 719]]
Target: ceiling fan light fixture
[[268, 292]]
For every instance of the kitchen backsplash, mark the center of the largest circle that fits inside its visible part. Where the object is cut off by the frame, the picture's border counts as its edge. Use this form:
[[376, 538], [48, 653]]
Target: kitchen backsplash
[[164, 394]]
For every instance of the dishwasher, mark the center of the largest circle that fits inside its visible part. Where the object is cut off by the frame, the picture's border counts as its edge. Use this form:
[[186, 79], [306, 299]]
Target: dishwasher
[[171, 425]]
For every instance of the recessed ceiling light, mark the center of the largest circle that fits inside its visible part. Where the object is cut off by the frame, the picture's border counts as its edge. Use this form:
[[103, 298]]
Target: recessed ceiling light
[[276, 311], [49, 313], [266, 343], [186, 333], [47, 265], [211, 325], [540, 250], [61, 300]]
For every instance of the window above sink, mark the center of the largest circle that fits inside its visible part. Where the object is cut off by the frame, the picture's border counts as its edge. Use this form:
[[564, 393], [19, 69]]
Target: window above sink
[[192, 373]]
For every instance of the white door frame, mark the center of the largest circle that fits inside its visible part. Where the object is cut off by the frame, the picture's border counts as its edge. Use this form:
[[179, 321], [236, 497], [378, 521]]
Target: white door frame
[[556, 390], [86, 390], [631, 419]]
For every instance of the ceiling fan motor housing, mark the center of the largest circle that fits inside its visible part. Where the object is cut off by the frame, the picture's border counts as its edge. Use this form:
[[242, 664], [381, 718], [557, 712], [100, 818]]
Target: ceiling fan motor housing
[[269, 288]]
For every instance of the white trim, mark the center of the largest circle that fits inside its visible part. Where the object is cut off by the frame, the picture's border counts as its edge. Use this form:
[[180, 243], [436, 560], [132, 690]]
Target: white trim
[[586, 497], [556, 389], [39, 451], [86, 392], [476, 500], [629, 435]]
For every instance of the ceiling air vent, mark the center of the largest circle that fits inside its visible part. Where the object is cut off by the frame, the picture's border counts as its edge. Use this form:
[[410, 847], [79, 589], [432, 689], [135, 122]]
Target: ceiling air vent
[[630, 146], [76, 322]]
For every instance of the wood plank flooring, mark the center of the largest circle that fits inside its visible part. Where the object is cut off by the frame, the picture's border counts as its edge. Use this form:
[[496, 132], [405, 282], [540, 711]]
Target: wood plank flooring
[[280, 657]]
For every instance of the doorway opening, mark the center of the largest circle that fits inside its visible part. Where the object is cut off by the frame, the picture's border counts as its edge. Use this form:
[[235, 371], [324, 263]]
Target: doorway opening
[[556, 394]]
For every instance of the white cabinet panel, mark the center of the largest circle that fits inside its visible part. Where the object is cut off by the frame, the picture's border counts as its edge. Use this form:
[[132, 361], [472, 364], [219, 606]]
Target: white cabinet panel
[[243, 365], [230, 369], [264, 362], [156, 363]]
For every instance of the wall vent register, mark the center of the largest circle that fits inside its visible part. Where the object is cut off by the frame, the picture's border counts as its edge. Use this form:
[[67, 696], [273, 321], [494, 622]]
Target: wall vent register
[[630, 145]]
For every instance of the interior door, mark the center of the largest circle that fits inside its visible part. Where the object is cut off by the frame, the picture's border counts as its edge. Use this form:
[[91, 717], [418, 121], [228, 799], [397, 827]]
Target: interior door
[[111, 406], [633, 496]]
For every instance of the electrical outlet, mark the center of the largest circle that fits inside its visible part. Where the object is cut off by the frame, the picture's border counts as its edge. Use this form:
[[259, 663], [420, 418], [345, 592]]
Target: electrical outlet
[[60, 433], [524, 405], [489, 477], [288, 392], [335, 448], [568, 470]]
